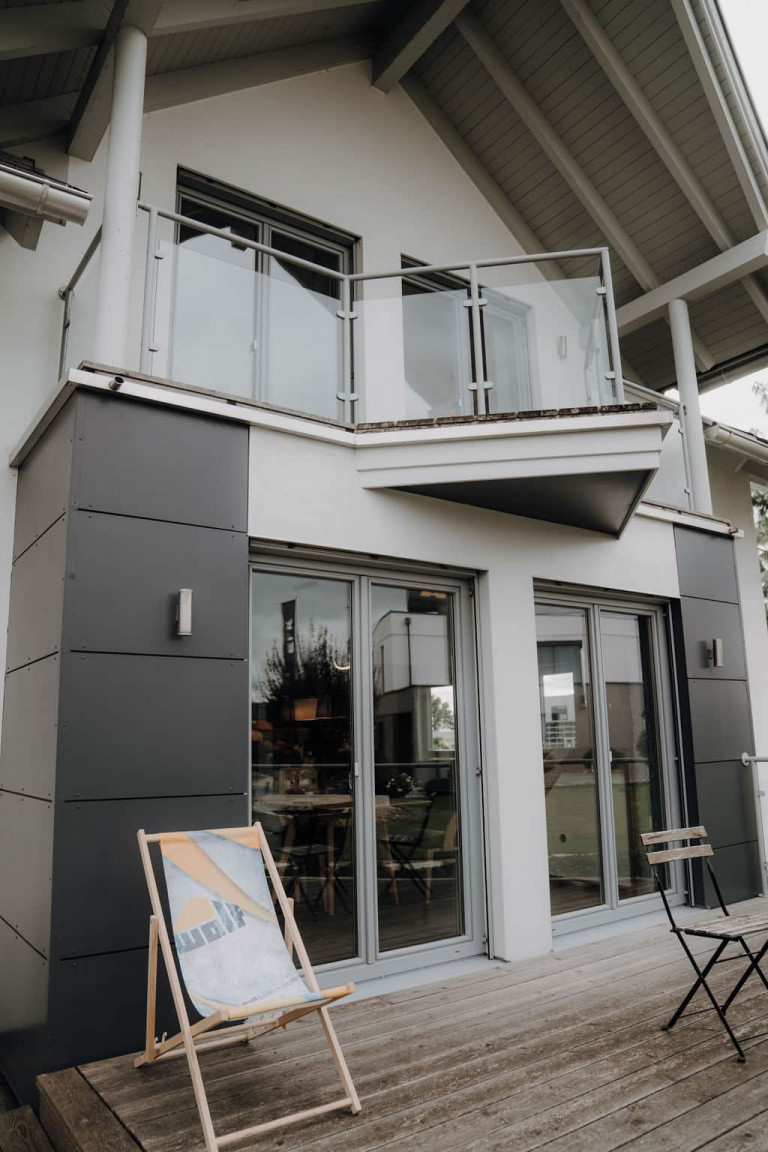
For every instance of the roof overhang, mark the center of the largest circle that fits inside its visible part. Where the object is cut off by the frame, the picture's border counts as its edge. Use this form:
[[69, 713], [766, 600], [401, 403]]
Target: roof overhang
[[28, 198], [737, 451]]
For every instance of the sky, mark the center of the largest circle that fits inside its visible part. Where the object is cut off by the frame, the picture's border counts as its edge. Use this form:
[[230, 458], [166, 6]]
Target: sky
[[747, 22]]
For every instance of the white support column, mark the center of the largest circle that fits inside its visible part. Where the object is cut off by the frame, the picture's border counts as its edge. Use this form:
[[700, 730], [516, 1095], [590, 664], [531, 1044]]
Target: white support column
[[688, 387], [120, 196]]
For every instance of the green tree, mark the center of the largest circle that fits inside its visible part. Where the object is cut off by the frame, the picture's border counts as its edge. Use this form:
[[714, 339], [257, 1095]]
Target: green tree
[[760, 506]]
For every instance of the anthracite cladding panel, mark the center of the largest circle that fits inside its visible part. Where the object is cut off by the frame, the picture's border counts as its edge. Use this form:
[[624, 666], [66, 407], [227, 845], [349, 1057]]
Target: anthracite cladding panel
[[37, 598], [128, 724], [31, 709], [125, 578], [717, 721], [26, 836], [100, 895], [180, 467], [44, 481], [702, 621], [706, 565], [720, 718], [170, 728]]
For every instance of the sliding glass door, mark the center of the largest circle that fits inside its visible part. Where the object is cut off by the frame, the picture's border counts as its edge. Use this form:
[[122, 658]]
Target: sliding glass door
[[609, 751], [363, 722]]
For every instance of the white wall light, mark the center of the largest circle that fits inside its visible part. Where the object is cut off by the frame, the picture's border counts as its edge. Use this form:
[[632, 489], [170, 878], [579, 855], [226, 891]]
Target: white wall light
[[184, 612]]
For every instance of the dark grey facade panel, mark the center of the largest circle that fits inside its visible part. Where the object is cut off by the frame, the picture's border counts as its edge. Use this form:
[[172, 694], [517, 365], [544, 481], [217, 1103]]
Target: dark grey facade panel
[[125, 577], [99, 1006], [100, 894], [703, 620], [44, 481], [37, 599], [141, 726], [30, 718], [720, 718], [26, 835], [706, 565], [143, 460], [24, 996], [736, 868], [726, 803]]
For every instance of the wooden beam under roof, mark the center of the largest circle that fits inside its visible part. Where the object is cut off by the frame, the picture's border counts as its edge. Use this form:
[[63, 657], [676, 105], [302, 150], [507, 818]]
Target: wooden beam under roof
[[668, 151], [48, 28], [22, 123], [196, 15], [91, 115], [537, 123], [407, 42], [718, 104]]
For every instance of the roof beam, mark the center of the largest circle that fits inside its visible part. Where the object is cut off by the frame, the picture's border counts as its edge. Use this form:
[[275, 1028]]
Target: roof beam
[[50, 28], [478, 174], [91, 115], [21, 123], [196, 15], [546, 136], [187, 85], [706, 278], [718, 104], [651, 124], [410, 39]]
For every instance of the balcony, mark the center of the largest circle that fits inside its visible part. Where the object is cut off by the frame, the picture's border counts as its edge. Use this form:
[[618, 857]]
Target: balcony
[[491, 382]]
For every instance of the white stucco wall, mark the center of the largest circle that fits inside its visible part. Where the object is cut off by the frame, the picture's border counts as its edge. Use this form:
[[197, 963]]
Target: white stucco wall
[[308, 493]]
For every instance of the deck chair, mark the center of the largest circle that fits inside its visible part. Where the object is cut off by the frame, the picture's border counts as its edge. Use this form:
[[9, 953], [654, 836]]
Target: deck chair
[[723, 930], [234, 961]]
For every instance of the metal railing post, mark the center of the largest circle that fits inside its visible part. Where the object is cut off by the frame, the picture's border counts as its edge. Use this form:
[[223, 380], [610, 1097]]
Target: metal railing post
[[150, 295], [66, 295], [347, 395], [613, 327], [478, 386]]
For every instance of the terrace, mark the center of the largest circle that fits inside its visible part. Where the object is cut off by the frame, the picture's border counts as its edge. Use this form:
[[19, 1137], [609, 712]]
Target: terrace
[[564, 1052]]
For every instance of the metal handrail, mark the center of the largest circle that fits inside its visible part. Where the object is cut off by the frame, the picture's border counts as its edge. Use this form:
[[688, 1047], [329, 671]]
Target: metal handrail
[[346, 314], [746, 759], [678, 408], [67, 292]]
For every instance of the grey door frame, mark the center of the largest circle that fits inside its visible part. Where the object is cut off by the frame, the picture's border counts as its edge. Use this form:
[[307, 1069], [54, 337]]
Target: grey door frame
[[370, 961], [613, 909]]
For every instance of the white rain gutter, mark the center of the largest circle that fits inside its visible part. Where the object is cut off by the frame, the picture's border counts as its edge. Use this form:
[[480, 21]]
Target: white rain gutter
[[33, 194], [741, 443]]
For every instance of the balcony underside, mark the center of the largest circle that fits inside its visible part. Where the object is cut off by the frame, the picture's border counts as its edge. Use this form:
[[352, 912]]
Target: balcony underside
[[587, 469]]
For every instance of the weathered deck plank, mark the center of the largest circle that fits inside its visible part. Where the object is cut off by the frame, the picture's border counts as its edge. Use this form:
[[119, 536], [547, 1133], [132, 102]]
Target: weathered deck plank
[[563, 1053]]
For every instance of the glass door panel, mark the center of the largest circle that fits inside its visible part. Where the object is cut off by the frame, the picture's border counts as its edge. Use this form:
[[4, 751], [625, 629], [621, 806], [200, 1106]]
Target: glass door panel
[[637, 780], [419, 874], [571, 783], [303, 782]]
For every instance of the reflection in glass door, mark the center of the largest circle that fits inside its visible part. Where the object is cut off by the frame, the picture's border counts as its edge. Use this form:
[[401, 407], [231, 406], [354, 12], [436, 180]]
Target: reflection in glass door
[[570, 776], [418, 844], [302, 773], [608, 749], [362, 723]]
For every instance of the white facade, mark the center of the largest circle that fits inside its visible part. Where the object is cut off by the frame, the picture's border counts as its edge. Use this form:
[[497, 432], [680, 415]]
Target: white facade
[[332, 147]]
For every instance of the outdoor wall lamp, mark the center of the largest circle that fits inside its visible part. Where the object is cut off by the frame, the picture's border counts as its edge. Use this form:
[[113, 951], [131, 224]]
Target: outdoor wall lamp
[[715, 653], [184, 612]]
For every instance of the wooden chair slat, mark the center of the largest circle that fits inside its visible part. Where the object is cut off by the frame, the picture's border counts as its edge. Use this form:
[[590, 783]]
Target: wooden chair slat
[[670, 854], [670, 834]]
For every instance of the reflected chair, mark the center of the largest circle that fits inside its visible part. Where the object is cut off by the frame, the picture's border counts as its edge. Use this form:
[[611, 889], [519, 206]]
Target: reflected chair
[[723, 930], [416, 856], [233, 960]]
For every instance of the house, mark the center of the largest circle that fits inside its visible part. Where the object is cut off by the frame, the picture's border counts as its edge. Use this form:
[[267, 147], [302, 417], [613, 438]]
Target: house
[[345, 488]]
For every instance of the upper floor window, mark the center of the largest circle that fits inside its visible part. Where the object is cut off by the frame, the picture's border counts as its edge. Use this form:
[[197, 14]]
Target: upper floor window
[[245, 321]]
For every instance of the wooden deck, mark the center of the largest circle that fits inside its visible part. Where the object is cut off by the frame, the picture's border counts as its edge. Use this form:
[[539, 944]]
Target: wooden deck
[[564, 1053]]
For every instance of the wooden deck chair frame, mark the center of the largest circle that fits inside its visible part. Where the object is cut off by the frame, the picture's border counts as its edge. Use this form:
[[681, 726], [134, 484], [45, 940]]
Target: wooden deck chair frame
[[194, 1038], [719, 931]]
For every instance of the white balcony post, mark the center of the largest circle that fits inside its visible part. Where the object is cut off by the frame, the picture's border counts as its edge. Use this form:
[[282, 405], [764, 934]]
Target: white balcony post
[[688, 387], [120, 196]]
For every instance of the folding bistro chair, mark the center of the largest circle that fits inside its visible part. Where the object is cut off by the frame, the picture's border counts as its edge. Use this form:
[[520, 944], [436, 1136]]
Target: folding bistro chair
[[232, 957], [725, 929]]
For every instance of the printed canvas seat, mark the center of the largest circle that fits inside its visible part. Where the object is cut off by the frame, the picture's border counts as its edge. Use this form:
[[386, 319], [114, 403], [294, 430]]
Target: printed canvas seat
[[235, 962]]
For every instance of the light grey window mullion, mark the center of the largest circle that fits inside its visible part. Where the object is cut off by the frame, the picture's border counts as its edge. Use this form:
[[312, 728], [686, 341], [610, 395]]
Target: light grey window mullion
[[366, 832], [603, 762]]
